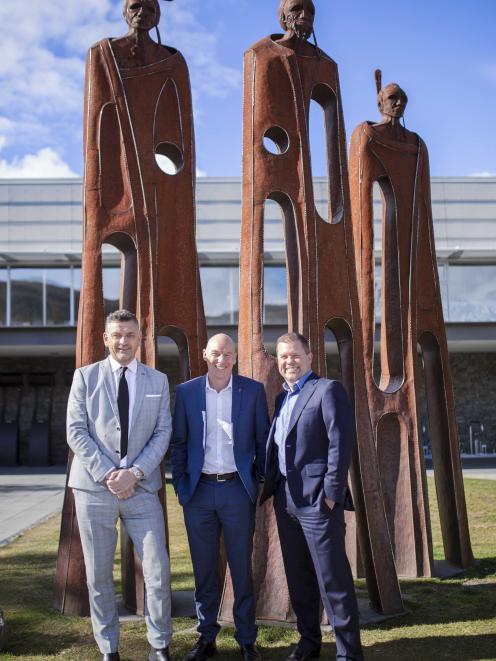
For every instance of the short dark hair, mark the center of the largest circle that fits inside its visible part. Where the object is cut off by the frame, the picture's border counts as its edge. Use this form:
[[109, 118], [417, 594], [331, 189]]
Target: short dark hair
[[294, 337], [120, 316]]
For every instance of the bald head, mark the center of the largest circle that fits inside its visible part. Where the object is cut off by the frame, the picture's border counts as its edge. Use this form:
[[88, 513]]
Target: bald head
[[220, 356]]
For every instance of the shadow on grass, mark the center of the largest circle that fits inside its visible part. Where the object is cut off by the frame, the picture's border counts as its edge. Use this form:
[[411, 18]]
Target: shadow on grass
[[462, 648], [42, 644]]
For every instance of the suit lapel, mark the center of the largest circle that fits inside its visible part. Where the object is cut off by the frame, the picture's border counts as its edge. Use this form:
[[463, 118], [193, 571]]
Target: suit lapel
[[109, 384], [139, 395], [237, 393], [201, 403], [303, 397]]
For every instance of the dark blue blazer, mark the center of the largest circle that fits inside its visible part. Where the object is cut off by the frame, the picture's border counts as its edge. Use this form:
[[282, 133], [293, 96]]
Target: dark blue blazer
[[250, 420], [318, 446]]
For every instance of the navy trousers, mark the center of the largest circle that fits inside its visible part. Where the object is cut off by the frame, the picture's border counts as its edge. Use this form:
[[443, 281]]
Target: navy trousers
[[317, 570], [214, 508]]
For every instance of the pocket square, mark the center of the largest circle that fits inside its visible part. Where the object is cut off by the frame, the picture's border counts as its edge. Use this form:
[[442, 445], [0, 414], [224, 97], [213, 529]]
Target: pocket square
[[159, 395]]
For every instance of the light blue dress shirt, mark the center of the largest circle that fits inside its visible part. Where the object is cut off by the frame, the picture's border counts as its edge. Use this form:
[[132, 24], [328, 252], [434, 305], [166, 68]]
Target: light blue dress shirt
[[284, 417]]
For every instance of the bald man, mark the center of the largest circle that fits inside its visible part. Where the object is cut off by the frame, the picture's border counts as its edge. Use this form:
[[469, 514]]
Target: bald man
[[220, 430]]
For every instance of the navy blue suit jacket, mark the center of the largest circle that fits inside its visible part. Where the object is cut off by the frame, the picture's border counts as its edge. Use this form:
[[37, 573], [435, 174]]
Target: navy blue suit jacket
[[318, 446], [250, 420]]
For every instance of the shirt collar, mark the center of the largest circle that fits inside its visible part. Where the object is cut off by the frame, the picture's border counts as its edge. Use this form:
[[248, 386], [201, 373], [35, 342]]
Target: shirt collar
[[115, 365], [209, 387], [298, 385]]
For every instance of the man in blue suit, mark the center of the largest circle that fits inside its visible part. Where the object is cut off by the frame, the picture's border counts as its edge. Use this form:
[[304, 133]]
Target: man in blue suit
[[308, 457], [218, 444]]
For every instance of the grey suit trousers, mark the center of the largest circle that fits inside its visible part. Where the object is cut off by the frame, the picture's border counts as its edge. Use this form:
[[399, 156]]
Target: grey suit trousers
[[97, 514]]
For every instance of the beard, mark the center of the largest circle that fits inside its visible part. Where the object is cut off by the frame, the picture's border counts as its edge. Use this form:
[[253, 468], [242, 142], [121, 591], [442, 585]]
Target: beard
[[299, 31]]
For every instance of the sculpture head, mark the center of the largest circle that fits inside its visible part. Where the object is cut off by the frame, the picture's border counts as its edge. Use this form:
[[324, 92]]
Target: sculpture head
[[297, 17], [392, 101], [141, 14]]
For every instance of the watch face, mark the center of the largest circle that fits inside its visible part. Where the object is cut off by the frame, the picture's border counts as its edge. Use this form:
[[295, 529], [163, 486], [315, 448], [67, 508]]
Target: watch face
[[137, 472]]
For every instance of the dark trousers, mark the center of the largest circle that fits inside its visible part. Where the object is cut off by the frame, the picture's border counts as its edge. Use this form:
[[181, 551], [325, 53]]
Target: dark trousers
[[225, 507], [317, 569]]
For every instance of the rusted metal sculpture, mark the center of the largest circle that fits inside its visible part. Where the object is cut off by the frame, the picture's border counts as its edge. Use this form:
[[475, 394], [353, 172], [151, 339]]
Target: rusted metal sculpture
[[282, 74], [411, 316], [138, 108]]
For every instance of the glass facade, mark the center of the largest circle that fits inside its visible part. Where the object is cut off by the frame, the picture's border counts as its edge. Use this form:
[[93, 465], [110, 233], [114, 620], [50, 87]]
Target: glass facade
[[50, 296], [3, 297]]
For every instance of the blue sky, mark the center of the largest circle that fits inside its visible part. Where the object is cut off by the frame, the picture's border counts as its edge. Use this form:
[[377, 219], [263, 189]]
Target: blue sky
[[442, 52]]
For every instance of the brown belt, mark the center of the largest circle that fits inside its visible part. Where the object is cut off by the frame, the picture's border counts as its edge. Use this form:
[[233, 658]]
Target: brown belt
[[219, 477]]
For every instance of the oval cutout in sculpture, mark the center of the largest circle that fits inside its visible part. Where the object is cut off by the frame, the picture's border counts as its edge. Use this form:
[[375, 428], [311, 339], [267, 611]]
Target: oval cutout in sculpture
[[169, 158], [276, 140], [391, 376]]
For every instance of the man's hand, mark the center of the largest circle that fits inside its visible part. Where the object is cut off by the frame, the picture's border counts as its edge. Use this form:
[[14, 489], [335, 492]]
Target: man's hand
[[122, 483], [330, 503]]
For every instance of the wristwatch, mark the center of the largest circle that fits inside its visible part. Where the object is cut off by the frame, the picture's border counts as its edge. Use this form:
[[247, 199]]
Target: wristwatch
[[137, 472]]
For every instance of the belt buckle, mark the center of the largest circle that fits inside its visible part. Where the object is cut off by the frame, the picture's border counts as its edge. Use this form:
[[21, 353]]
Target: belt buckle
[[220, 481]]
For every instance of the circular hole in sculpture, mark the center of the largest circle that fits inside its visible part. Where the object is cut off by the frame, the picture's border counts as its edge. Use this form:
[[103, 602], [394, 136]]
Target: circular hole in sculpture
[[276, 140], [169, 158]]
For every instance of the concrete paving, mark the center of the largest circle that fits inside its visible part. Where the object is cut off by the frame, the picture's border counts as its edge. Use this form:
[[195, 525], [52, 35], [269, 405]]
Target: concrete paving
[[477, 473], [28, 496]]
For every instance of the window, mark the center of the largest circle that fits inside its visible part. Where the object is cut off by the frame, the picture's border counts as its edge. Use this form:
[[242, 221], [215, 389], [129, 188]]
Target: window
[[27, 297], [275, 296], [3, 297], [111, 288], [443, 286], [58, 284], [472, 292], [220, 287]]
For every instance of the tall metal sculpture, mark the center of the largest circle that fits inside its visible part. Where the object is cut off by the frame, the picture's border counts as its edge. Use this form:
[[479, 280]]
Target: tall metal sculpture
[[137, 110], [411, 316], [282, 74]]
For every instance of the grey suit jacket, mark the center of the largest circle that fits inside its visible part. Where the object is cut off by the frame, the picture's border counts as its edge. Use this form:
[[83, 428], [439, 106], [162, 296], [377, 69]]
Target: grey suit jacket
[[93, 427]]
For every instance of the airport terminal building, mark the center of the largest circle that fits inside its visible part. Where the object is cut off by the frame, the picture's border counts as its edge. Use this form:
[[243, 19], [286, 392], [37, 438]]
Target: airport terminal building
[[40, 279]]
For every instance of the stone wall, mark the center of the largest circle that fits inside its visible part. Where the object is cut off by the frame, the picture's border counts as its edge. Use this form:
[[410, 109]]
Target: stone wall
[[474, 385]]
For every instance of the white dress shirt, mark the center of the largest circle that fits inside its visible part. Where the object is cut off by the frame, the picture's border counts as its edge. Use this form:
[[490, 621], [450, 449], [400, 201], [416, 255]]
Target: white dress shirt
[[284, 418], [219, 449], [130, 377]]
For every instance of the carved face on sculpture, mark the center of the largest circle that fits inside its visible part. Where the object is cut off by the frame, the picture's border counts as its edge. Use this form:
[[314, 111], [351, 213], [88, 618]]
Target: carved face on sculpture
[[392, 101], [297, 17], [141, 14]]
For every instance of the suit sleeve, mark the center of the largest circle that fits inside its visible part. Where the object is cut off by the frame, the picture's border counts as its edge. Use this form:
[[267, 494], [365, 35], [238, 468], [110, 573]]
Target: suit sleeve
[[179, 443], [154, 451], [262, 426], [338, 421], [79, 439]]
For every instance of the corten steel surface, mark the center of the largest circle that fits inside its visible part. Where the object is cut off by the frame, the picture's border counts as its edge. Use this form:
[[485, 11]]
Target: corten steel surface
[[411, 316], [137, 104], [279, 83]]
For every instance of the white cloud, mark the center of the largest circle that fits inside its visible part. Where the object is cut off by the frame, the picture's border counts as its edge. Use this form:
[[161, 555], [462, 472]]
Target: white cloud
[[45, 163], [42, 67], [483, 173], [200, 173]]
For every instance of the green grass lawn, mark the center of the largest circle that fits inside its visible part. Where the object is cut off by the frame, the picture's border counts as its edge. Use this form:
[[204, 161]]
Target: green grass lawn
[[449, 619]]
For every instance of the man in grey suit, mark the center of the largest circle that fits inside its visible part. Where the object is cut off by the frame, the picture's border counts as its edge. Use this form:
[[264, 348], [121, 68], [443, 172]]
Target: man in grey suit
[[119, 427]]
